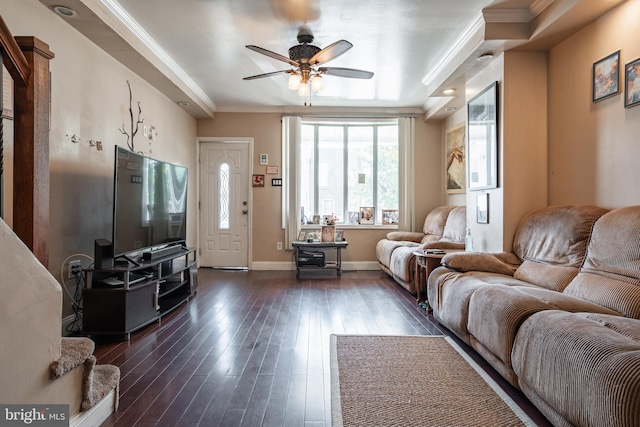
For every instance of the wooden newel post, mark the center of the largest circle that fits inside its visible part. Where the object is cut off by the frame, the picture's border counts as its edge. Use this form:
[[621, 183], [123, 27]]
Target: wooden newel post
[[31, 150]]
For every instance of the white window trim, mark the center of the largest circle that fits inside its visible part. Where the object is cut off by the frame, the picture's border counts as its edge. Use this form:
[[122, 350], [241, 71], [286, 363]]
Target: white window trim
[[291, 137]]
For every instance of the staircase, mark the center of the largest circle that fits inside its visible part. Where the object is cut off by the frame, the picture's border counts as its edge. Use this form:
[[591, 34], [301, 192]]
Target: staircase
[[37, 364], [98, 381]]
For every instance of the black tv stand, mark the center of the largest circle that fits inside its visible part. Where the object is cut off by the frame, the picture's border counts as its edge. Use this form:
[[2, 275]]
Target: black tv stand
[[117, 302], [127, 259]]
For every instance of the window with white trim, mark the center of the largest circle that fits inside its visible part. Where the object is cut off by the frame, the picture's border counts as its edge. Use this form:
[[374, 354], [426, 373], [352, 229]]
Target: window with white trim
[[345, 166]]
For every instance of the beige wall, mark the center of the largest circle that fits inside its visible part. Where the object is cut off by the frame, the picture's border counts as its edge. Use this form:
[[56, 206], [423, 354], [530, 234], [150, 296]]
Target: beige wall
[[593, 147], [266, 130], [89, 98]]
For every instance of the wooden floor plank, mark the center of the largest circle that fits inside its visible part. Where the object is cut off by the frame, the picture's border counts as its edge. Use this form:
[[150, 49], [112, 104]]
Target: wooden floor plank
[[253, 348]]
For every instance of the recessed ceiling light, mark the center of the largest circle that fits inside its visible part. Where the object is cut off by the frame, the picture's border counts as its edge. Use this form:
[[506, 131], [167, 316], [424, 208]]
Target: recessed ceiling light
[[485, 56], [450, 109], [183, 104], [449, 91], [64, 11]]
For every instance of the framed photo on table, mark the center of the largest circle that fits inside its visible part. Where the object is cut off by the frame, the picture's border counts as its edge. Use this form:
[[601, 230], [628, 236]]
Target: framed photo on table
[[389, 216], [606, 77], [367, 215], [482, 139]]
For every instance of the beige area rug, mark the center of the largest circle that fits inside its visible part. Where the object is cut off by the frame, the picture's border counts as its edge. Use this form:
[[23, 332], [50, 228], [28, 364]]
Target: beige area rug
[[413, 381]]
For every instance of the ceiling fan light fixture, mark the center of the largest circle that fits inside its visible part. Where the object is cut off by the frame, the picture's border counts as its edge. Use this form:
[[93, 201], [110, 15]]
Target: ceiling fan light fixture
[[294, 81], [303, 90], [317, 84]]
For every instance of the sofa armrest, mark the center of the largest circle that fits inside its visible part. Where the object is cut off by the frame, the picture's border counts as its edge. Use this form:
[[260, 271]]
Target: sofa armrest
[[442, 244], [405, 236], [499, 263]]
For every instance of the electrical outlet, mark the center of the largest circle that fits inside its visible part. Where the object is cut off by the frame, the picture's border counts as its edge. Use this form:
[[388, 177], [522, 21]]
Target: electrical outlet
[[279, 246], [75, 269]]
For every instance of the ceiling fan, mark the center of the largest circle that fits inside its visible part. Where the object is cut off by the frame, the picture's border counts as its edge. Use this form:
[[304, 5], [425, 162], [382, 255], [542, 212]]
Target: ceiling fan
[[306, 60]]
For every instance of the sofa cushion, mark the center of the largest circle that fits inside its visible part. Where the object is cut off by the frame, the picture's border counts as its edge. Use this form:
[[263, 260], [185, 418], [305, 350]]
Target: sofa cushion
[[434, 223], [405, 236], [454, 228], [499, 263], [449, 294], [552, 277], [555, 236], [402, 263], [496, 313], [580, 369], [384, 249], [610, 275]]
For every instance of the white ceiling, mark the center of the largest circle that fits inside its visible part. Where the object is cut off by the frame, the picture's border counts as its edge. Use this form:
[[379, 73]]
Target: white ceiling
[[194, 50]]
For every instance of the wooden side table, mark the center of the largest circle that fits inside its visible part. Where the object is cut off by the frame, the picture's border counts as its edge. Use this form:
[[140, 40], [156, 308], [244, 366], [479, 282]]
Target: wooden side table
[[426, 262]]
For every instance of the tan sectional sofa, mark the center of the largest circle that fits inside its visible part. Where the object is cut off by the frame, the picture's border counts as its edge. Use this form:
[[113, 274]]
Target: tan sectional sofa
[[559, 317], [444, 228]]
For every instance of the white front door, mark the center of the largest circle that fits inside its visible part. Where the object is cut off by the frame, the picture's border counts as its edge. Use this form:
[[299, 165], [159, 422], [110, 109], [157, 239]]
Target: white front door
[[224, 204]]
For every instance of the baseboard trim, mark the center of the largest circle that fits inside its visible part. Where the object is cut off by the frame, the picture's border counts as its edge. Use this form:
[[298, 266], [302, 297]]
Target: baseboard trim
[[95, 416], [346, 266]]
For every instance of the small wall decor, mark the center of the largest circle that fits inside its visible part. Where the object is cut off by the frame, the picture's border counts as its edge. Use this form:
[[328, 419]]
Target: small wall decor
[[258, 180], [482, 137], [367, 215], [482, 208], [455, 159], [272, 170], [389, 216], [134, 125], [632, 84], [264, 159], [606, 77]]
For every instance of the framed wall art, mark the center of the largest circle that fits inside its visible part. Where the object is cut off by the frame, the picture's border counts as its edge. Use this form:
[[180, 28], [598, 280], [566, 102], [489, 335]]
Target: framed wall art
[[258, 180], [606, 77], [632, 83], [455, 159], [482, 139], [482, 208]]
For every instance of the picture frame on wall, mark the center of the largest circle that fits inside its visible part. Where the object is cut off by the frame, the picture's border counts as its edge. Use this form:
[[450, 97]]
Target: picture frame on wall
[[632, 84], [367, 215], [455, 168], [606, 77], [482, 139], [482, 208], [257, 180]]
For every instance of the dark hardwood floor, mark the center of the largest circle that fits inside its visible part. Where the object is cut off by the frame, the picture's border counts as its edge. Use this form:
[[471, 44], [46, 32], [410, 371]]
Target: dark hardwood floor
[[252, 349]]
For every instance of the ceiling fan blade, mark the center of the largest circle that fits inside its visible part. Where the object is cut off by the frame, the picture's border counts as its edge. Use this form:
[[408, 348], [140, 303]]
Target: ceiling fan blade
[[260, 76], [331, 52], [346, 72], [273, 55]]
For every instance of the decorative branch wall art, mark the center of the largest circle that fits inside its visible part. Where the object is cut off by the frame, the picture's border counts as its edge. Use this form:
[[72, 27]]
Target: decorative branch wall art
[[134, 125]]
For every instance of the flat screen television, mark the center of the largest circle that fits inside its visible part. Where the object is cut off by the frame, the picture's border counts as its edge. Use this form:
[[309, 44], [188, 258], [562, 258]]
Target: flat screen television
[[150, 203]]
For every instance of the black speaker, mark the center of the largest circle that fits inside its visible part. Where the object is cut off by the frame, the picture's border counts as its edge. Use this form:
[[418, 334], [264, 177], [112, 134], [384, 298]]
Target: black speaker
[[103, 254]]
